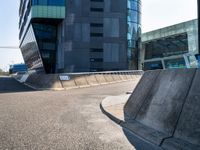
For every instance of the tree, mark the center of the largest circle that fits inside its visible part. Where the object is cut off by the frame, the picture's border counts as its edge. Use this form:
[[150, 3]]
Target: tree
[[3, 72]]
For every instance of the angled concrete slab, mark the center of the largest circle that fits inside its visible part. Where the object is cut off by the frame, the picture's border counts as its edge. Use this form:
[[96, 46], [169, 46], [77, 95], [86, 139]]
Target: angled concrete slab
[[164, 109], [91, 79], [139, 95], [187, 133]]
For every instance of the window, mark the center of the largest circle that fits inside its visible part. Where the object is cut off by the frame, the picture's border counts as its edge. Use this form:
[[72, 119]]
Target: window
[[96, 59], [96, 49], [111, 52], [97, 0], [96, 34], [49, 2], [96, 9], [96, 25]]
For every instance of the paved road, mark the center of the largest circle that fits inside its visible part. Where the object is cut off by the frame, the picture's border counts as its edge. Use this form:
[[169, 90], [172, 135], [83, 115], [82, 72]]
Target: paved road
[[8, 84], [62, 120]]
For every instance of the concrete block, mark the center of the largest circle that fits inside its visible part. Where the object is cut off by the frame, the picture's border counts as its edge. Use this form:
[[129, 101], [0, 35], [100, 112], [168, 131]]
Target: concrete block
[[178, 144], [140, 93], [128, 76], [133, 76], [164, 102], [188, 127], [116, 77], [69, 84], [123, 77], [149, 134], [81, 81], [100, 78], [109, 78], [91, 79], [154, 109]]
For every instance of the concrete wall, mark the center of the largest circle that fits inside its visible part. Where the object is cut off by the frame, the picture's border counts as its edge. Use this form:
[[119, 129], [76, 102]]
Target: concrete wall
[[164, 109], [76, 80]]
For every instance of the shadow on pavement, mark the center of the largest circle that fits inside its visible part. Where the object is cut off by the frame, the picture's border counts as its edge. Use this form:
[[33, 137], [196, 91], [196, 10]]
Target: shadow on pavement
[[10, 85]]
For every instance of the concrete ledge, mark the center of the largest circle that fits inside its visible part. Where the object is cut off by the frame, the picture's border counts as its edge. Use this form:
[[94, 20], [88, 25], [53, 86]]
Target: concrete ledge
[[72, 80], [80, 80], [112, 106], [100, 79]]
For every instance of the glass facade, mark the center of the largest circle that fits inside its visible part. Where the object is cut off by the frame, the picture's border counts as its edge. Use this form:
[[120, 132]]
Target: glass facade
[[133, 32], [102, 36], [169, 46], [175, 46], [30, 51], [175, 63], [46, 38], [153, 65], [38, 32], [49, 2]]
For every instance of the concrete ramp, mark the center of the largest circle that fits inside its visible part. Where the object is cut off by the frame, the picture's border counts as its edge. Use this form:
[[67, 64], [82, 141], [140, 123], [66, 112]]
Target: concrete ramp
[[164, 109]]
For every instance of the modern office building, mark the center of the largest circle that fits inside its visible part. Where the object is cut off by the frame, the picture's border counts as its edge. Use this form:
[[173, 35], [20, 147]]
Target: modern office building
[[170, 47], [80, 35]]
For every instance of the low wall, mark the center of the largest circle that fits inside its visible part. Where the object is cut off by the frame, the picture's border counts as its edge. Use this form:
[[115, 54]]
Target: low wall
[[93, 79], [164, 109], [77, 80]]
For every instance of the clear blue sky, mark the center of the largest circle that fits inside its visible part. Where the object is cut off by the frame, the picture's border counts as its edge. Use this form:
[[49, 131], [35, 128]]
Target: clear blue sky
[[155, 14], [9, 33]]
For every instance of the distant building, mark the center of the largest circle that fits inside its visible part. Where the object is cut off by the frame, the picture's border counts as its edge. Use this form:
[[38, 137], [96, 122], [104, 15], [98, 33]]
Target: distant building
[[80, 35], [170, 47], [17, 68]]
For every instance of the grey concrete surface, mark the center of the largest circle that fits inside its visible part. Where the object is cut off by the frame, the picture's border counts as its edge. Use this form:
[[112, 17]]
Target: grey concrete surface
[[139, 94], [163, 111], [61, 120], [81, 81], [91, 79], [189, 122], [101, 79], [109, 78], [69, 84], [165, 100], [113, 106], [166, 109], [44, 81]]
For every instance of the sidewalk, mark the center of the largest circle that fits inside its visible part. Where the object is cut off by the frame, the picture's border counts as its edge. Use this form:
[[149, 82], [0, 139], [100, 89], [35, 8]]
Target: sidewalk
[[113, 107]]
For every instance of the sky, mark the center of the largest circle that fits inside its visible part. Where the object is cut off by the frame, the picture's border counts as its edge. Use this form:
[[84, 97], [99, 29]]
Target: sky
[[155, 14]]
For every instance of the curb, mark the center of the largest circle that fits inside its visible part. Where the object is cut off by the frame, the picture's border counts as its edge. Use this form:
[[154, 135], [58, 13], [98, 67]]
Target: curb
[[113, 118], [140, 142]]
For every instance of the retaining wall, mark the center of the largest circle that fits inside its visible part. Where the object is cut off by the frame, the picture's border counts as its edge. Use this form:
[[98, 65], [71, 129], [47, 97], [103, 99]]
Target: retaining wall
[[78, 80]]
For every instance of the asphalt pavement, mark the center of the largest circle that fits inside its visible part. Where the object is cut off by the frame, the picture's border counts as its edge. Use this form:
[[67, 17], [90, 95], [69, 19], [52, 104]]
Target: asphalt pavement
[[58, 120]]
